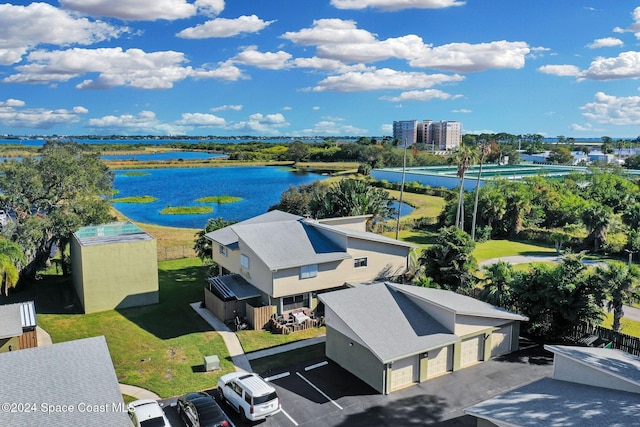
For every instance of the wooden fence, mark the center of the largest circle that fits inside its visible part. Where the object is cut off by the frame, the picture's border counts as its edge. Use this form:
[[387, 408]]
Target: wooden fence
[[618, 341]]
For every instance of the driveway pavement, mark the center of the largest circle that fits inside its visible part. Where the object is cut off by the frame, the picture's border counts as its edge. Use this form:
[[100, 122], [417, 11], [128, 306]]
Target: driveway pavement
[[321, 393]]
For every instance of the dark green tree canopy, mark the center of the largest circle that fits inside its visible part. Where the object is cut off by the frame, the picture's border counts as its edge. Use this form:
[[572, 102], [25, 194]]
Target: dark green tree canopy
[[66, 187]]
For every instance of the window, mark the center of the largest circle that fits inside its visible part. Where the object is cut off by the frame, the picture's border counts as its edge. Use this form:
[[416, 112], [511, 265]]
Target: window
[[244, 261], [360, 262], [307, 271], [295, 301], [223, 250]]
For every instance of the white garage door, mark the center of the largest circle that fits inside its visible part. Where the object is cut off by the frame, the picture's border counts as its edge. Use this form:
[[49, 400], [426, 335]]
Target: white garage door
[[439, 361], [472, 350], [501, 341], [404, 372]]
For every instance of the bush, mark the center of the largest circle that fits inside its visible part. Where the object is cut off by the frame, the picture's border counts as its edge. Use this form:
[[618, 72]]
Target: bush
[[483, 233]]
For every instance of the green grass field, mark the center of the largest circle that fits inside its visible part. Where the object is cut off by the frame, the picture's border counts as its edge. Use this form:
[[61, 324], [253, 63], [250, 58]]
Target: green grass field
[[219, 199], [186, 210], [158, 347], [501, 248], [135, 199]]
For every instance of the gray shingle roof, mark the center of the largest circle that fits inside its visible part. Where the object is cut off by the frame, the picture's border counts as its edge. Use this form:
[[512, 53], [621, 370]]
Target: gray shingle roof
[[550, 402], [460, 304], [610, 361], [388, 322], [226, 236], [10, 321], [361, 234], [75, 373], [286, 244]]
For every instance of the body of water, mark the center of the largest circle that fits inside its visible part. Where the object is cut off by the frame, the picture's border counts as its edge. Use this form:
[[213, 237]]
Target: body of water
[[164, 156], [259, 187]]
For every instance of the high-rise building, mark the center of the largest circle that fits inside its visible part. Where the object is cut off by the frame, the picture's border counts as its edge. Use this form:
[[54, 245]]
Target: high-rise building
[[405, 132], [443, 135], [447, 135]]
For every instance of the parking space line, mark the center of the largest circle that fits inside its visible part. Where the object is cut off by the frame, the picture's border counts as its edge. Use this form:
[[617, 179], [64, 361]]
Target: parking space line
[[277, 377], [317, 365], [289, 416], [319, 391]]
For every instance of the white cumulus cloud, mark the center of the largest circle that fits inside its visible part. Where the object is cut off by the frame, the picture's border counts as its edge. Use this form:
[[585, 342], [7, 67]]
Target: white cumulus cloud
[[624, 66], [384, 78], [269, 60], [265, 124], [605, 42], [222, 27], [135, 10], [561, 70], [613, 110], [236, 107], [13, 114], [341, 40], [115, 67], [395, 4], [23, 28], [201, 120], [421, 95]]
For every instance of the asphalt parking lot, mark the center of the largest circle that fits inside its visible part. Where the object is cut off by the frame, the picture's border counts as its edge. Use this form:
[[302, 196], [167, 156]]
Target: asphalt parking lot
[[321, 393]]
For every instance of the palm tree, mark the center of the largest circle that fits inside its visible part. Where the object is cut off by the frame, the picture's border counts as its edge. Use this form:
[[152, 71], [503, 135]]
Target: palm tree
[[597, 219], [498, 278], [485, 149], [11, 259], [463, 157], [621, 284]]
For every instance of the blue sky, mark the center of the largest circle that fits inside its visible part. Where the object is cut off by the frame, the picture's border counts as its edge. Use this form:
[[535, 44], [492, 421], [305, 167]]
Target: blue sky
[[319, 67]]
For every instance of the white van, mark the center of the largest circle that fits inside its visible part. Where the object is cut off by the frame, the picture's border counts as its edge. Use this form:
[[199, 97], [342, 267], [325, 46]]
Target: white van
[[250, 395]]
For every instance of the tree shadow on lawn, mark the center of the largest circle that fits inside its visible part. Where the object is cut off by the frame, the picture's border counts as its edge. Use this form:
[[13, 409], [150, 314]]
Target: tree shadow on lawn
[[173, 316], [51, 294]]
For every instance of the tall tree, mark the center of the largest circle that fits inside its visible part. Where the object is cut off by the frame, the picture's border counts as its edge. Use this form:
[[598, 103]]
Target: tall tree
[[496, 288], [621, 284], [449, 262], [597, 218], [484, 149], [350, 197], [11, 260], [298, 151], [66, 187], [463, 157]]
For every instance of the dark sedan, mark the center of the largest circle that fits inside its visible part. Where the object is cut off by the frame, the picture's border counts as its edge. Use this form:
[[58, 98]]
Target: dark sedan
[[201, 410]]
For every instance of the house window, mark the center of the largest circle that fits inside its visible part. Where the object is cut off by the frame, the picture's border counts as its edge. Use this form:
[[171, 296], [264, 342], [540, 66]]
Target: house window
[[360, 262], [307, 271], [244, 261], [223, 250], [295, 301]]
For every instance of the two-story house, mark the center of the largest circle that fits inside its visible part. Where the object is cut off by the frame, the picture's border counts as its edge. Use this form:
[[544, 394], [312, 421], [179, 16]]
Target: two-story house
[[282, 260]]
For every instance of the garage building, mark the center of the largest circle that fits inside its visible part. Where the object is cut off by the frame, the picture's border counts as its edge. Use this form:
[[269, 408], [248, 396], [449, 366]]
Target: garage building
[[392, 336]]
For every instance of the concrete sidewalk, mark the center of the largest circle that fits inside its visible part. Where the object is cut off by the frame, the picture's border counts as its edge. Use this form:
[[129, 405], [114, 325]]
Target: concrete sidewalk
[[138, 392], [239, 359]]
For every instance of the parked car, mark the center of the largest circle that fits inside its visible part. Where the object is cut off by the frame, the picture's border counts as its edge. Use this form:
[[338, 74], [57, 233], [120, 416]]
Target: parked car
[[250, 395], [147, 413], [201, 410]]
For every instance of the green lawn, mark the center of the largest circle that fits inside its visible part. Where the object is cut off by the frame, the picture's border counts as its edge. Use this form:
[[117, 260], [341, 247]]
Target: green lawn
[[501, 248], [159, 347], [259, 340], [628, 326]]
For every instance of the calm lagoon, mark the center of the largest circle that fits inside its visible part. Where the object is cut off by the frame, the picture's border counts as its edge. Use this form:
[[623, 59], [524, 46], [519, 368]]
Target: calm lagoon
[[259, 186], [164, 156]]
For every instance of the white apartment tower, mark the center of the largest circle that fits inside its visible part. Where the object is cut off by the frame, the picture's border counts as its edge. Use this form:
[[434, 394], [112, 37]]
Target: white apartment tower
[[444, 135], [405, 132], [447, 135]]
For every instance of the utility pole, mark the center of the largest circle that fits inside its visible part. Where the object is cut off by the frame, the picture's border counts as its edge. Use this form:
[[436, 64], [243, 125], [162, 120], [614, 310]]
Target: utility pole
[[630, 252], [404, 167]]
